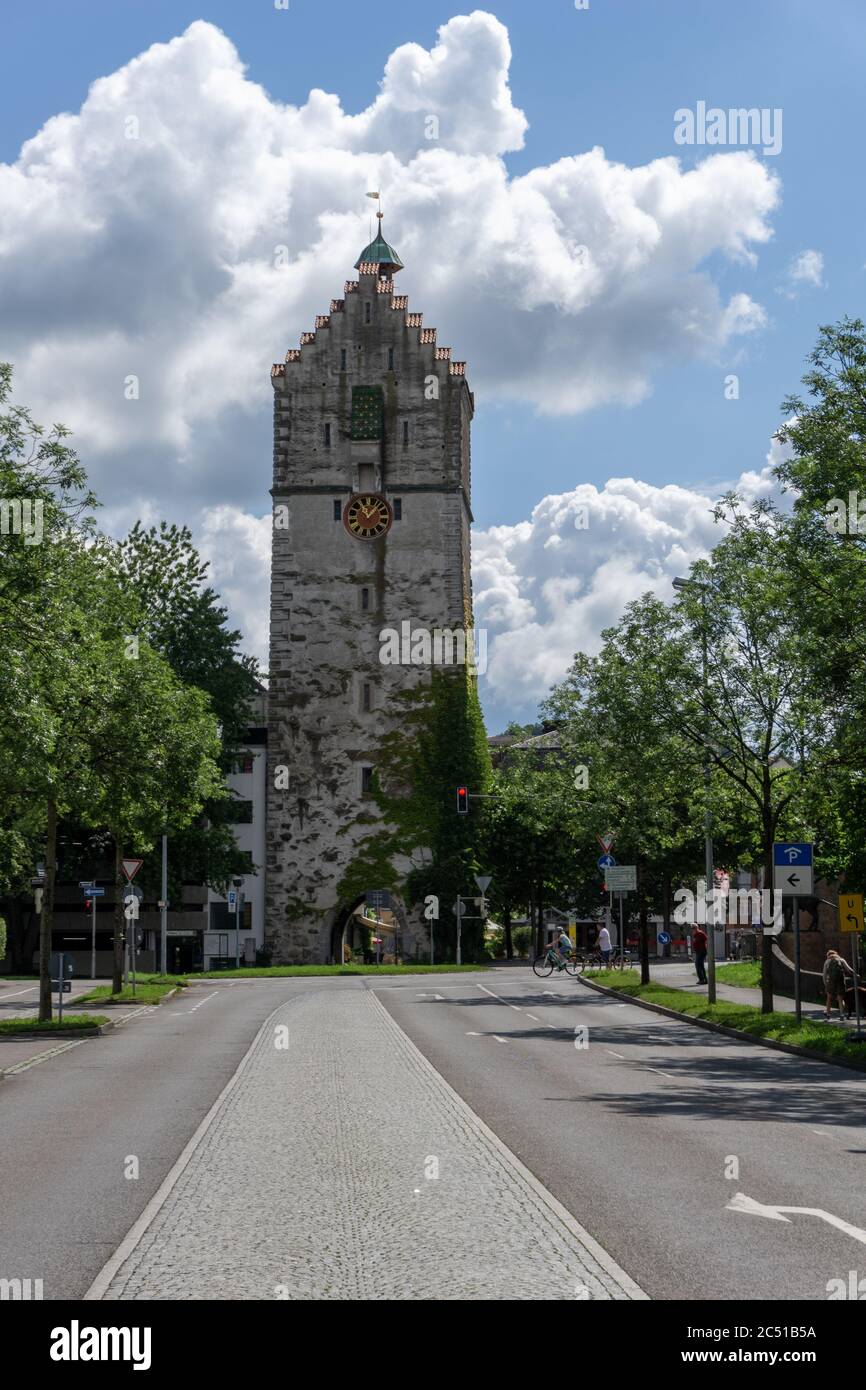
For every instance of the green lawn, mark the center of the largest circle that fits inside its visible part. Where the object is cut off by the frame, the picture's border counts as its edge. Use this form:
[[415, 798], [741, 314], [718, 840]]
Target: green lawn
[[32, 1025], [146, 992], [745, 973], [746, 1018], [254, 971]]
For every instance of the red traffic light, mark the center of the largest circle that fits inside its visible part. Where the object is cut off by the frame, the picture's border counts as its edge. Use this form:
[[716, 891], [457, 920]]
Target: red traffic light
[[462, 801]]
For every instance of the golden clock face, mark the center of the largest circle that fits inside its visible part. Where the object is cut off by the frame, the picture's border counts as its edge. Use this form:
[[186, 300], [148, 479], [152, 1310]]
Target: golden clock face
[[367, 515]]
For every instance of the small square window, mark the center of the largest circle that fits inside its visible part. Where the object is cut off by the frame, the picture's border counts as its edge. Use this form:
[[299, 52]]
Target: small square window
[[338, 509], [246, 763], [327, 435], [342, 359], [366, 779], [398, 508]]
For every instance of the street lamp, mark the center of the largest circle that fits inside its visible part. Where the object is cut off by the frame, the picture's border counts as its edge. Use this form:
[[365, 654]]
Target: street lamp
[[708, 821]]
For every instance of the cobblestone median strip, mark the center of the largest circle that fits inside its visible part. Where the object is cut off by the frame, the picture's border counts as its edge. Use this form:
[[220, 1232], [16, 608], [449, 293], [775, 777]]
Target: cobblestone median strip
[[343, 1166]]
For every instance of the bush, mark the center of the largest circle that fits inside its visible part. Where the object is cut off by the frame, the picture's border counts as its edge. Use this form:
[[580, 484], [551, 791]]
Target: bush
[[2, 939], [521, 938]]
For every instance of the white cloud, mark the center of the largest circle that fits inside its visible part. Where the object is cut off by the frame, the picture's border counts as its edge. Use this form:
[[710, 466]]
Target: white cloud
[[804, 270], [546, 588]]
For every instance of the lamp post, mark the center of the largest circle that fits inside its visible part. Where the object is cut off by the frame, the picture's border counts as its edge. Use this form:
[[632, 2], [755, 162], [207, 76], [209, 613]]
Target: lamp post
[[708, 815], [237, 884]]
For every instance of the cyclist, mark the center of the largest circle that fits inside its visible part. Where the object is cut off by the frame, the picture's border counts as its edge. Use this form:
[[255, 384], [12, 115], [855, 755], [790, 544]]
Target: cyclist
[[563, 950]]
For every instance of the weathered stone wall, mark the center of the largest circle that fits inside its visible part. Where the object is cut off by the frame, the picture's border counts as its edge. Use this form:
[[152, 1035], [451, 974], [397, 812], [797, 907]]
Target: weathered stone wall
[[325, 635]]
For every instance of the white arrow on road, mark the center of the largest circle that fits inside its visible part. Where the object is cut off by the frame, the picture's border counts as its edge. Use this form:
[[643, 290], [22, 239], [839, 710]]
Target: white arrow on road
[[748, 1204], [430, 996]]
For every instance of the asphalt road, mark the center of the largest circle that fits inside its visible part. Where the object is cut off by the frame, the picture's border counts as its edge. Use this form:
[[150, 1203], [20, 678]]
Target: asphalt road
[[635, 1133], [645, 1136]]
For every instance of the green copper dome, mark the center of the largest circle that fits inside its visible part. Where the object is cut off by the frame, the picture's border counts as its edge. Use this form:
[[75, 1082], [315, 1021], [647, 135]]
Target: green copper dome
[[380, 253]]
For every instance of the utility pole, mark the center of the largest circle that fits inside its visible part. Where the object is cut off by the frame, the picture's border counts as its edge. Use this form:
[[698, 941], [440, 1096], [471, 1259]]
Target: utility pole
[[163, 911]]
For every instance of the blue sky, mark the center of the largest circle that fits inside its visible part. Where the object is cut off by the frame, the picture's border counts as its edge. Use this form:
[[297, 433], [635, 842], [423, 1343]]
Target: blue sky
[[613, 76]]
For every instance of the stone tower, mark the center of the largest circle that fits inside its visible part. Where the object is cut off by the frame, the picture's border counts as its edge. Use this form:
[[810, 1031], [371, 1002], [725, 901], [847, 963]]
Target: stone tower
[[371, 513]]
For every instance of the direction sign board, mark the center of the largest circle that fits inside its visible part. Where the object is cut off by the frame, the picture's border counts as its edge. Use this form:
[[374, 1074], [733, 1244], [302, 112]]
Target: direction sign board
[[91, 892], [792, 869], [851, 912], [606, 861], [621, 878], [131, 868]]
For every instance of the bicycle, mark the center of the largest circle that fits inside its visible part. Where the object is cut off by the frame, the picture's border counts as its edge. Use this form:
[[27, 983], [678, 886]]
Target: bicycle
[[545, 965]]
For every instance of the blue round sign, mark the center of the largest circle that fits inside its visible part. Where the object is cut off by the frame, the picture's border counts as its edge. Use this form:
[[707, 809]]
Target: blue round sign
[[607, 861], [664, 938]]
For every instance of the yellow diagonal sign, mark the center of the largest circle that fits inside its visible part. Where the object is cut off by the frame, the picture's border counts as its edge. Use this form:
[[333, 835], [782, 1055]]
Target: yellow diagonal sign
[[851, 912]]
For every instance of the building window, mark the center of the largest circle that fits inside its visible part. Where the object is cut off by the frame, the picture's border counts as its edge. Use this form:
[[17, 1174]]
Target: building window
[[390, 359], [244, 763], [398, 508], [342, 359], [239, 813], [367, 412], [366, 696], [338, 508], [365, 599], [367, 311], [366, 780], [246, 858], [327, 435], [405, 433]]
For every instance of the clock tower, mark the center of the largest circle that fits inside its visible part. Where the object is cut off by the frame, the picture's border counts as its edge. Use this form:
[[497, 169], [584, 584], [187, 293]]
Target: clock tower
[[370, 606]]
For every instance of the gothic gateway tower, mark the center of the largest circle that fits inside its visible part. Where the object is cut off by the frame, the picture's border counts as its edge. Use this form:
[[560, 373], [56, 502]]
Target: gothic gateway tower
[[371, 512]]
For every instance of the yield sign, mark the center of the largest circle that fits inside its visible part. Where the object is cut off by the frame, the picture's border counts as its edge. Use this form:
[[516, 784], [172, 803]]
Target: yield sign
[[606, 840], [131, 868], [483, 881]]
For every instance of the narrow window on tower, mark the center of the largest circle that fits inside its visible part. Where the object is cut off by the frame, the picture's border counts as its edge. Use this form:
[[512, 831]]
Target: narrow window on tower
[[342, 359], [367, 311], [390, 359], [328, 435], [366, 780], [365, 599], [405, 434], [338, 508], [366, 702], [398, 508]]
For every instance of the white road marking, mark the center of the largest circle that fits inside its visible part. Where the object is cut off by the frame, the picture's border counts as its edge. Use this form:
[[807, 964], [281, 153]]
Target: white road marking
[[473, 1035], [615, 1054], [740, 1202], [430, 996], [661, 1073], [532, 1016], [180, 1012], [44, 1056], [497, 1037], [13, 994]]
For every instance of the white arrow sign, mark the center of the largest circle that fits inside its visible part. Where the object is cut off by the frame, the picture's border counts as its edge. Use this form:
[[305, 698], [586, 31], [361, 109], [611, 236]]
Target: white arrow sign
[[773, 1213]]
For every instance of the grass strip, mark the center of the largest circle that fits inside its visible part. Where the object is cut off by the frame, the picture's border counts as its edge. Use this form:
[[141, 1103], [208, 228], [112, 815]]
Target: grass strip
[[69, 1022], [823, 1038]]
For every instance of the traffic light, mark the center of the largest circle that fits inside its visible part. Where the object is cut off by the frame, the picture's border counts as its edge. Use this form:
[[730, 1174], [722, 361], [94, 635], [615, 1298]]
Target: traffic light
[[462, 801]]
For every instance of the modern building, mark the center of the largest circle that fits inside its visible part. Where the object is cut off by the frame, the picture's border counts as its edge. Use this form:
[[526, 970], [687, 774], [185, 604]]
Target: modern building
[[371, 518]]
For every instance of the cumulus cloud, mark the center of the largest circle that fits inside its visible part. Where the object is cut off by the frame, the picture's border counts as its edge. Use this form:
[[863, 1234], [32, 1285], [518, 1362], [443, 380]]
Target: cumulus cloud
[[547, 587]]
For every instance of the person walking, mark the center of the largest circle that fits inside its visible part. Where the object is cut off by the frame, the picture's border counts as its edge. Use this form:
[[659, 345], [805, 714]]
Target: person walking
[[604, 945], [833, 974], [699, 951]]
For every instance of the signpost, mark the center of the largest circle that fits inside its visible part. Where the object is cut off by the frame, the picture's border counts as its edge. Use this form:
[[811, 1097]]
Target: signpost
[[851, 920], [91, 891], [792, 876], [60, 969]]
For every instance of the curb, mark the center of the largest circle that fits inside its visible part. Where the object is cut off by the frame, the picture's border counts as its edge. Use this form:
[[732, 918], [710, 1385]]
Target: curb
[[91, 1031], [851, 1063]]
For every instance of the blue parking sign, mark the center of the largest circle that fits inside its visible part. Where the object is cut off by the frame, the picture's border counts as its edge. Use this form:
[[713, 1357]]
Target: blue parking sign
[[792, 854]]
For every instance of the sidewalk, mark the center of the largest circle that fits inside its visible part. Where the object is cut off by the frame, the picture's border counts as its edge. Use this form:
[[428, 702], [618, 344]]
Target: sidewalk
[[681, 975]]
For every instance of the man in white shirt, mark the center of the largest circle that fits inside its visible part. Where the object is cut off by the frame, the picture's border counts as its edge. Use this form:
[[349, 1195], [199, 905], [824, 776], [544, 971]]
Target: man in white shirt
[[604, 945]]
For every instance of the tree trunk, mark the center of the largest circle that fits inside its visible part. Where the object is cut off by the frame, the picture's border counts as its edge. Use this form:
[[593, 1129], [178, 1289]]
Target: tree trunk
[[47, 914], [506, 934], [533, 937], [22, 939], [119, 919], [766, 938], [644, 925]]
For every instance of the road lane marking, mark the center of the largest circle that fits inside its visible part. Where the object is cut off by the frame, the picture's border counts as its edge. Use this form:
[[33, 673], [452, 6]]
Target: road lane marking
[[13, 994], [660, 1073], [740, 1202], [497, 1037], [615, 1054], [532, 1016], [43, 1056]]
